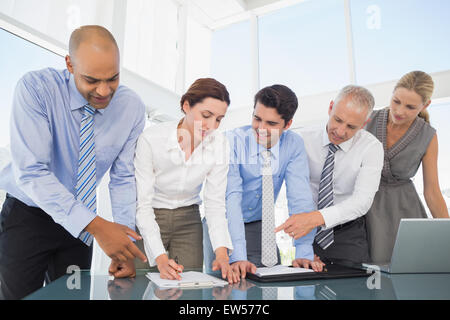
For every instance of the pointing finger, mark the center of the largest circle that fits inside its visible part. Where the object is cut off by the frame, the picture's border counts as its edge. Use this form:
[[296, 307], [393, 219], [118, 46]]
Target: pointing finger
[[137, 253]]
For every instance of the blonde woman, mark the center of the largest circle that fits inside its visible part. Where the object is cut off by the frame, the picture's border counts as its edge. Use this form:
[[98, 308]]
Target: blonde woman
[[408, 140]]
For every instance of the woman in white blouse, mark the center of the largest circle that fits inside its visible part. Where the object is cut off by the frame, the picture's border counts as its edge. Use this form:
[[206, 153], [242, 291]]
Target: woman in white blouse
[[173, 161]]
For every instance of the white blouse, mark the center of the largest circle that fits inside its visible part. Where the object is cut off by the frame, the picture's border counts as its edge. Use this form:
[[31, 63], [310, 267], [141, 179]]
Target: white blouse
[[164, 179]]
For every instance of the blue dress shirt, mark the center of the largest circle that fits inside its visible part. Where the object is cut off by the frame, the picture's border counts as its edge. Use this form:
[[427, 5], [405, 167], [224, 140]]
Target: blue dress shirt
[[244, 189], [45, 133]]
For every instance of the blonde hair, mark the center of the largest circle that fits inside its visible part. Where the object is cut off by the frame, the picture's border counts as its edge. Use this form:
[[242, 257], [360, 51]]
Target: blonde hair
[[421, 83]]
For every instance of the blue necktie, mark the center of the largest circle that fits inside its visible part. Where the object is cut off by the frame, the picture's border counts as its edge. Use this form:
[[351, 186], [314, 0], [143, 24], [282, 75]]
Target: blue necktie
[[324, 238], [86, 179]]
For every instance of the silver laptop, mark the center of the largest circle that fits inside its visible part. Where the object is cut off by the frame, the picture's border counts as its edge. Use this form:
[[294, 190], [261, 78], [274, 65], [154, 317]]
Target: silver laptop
[[421, 246]]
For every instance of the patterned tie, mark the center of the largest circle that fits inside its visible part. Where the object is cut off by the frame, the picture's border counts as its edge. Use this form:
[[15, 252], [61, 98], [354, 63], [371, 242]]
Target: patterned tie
[[86, 179], [268, 240], [324, 238], [269, 293]]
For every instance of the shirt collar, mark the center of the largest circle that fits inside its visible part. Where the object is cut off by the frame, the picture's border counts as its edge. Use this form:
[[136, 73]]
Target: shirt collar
[[77, 101], [344, 146], [256, 148]]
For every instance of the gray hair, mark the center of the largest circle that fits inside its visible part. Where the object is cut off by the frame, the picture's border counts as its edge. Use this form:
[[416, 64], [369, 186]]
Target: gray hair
[[360, 97]]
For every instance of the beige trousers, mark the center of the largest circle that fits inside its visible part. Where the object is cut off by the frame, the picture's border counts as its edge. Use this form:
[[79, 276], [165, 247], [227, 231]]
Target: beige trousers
[[181, 234]]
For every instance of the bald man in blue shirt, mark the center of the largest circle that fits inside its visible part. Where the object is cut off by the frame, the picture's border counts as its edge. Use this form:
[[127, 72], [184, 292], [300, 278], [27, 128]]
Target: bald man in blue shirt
[[68, 128]]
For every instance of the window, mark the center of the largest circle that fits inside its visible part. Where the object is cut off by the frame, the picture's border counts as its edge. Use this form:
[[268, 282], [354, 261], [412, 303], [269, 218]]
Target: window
[[392, 38], [17, 57], [304, 47], [231, 62]]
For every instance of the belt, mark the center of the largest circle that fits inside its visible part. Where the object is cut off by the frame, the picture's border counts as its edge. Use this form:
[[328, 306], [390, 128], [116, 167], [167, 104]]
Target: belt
[[347, 224], [33, 210]]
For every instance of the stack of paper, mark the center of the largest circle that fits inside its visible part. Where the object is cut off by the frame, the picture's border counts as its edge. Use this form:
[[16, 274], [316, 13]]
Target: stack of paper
[[188, 280]]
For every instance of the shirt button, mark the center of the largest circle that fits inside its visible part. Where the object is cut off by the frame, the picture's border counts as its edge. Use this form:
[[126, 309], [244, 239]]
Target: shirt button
[[257, 195], [250, 208]]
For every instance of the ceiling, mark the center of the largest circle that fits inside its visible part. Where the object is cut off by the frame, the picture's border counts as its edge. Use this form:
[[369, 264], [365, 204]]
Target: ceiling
[[218, 13]]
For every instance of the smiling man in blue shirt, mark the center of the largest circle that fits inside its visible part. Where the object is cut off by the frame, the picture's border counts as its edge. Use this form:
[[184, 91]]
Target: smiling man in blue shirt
[[68, 127], [274, 109]]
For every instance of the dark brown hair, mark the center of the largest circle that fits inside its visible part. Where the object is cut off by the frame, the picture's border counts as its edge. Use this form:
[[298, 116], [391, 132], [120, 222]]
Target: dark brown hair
[[205, 88], [279, 97]]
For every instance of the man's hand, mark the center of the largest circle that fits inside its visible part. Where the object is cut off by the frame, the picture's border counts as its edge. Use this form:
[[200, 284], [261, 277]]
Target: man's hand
[[122, 269], [240, 268], [113, 239], [299, 225], [221, 263], [316, 265], [120, 289], [168, 268]]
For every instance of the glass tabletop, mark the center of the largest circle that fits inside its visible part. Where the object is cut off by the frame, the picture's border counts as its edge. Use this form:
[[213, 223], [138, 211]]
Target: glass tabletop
[[84, 285]]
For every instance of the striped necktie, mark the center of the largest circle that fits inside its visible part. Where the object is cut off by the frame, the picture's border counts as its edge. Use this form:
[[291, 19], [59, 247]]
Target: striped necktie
[[86, 179], [268, 240], [324, 238]]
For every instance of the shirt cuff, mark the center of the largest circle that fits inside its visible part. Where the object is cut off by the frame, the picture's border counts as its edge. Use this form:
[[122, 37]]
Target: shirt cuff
[[154, 250], [331, 216], [220, 239], [304, 251], [78, 219], [132, 226], [239, 252]]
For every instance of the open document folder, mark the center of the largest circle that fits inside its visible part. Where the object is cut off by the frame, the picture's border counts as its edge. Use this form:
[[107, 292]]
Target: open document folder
[[285, 273], [279, 270], [189, 279]]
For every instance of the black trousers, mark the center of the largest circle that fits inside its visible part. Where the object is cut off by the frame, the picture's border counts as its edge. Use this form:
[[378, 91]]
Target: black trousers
[[253, 232], [350, 244], [34, 249]]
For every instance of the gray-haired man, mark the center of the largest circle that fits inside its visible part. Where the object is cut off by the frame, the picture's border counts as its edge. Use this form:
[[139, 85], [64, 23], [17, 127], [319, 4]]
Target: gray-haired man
[[345, 166]]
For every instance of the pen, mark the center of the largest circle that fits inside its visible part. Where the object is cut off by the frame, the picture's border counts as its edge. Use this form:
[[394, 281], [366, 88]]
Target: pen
[[176, 261]]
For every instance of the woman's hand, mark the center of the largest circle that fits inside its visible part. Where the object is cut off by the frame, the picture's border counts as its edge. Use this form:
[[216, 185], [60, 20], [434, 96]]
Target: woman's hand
[[168, 268]]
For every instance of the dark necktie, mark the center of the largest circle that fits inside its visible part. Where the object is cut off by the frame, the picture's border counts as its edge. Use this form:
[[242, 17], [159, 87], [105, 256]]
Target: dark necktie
[[325, 237]]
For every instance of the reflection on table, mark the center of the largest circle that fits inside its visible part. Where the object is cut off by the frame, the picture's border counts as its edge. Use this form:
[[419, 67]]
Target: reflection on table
[[391, 287]]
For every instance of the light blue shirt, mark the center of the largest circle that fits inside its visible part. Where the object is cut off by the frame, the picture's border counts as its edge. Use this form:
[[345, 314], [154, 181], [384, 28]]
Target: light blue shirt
[[45, 142], [244, 190]]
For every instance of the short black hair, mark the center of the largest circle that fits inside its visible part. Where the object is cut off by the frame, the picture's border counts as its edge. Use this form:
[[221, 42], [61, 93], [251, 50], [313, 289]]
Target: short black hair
[[279, 97]]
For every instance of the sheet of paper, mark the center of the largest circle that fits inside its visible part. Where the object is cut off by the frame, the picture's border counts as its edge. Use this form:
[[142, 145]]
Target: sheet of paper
[[280, 269], [189, 279]]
